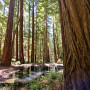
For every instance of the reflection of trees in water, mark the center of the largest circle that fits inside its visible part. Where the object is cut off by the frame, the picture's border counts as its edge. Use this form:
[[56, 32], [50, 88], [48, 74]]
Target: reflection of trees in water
[[32, 68], [20, 75]]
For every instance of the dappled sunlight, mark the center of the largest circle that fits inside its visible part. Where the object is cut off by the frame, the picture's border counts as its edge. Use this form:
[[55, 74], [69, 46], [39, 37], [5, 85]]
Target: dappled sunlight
[[45, 44]]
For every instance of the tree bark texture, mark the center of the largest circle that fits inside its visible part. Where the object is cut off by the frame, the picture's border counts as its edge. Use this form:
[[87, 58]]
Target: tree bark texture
[[7, 51], [21, 54], [75, 25]]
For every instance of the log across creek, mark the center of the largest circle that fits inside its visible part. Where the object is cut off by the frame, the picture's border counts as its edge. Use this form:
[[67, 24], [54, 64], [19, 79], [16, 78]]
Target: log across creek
[[25, 73]]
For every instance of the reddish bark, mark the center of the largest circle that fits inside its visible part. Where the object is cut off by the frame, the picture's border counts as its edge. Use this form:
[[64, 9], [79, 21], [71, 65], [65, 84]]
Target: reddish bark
[[21, 54], [7, 51], [55, 55], [17, 33], [32, 52], [75, 25], [29, 36], [47, 58], [36, 39]]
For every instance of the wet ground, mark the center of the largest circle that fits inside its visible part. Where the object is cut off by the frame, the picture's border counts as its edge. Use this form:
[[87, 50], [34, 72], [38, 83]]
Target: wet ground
[[24, 74]]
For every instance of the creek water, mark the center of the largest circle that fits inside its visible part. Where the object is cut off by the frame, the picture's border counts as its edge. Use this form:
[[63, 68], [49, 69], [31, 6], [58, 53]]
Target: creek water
[[24, 76]]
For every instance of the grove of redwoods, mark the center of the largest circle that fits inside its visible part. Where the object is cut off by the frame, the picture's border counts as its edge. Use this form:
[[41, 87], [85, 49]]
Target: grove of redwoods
[[44, 31], [35, 28]]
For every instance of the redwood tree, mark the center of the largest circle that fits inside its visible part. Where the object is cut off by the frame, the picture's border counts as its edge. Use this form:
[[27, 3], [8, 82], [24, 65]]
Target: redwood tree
[[75, 25], [29, 35], [32, 52], [47, 58], [0, 41], [17, 31], [36, 39], [55, 55], [7, 51], [21, 55]]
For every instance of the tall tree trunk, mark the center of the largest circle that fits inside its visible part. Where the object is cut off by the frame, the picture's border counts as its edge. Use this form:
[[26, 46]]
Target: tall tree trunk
[[40, 48], [17, 32], [75, 25], [55, 55], [1, 34], [47, 48], [21, 54], [13, 38], [29, 36], [36, 48], [44, 43], [12, 44], [36, 39], [57, 41], [7, 51], [0, 41], [32, 53], [44, 50]]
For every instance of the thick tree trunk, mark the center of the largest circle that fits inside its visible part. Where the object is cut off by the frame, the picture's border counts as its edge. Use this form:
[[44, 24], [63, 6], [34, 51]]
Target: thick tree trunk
[[55, 55], [29, 36], [21, 54], [7, 51], [17, 32], [32, 53], [75, 24]]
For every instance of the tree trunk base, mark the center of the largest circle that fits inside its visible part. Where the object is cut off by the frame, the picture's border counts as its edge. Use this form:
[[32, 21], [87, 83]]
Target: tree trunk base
[[4, 63], [79, 80]]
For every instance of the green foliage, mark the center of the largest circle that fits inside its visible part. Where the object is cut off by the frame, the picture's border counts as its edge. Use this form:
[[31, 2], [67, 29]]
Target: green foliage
[[53, 75], [59, 77]]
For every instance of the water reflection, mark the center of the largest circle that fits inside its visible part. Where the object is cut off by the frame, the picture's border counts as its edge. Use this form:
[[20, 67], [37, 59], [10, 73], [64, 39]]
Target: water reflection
[[26, 75], [20, 74]]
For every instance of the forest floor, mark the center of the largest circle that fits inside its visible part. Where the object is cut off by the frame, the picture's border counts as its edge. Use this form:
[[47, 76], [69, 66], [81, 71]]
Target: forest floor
[[5, 72], [47, 82], [51, 81]]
